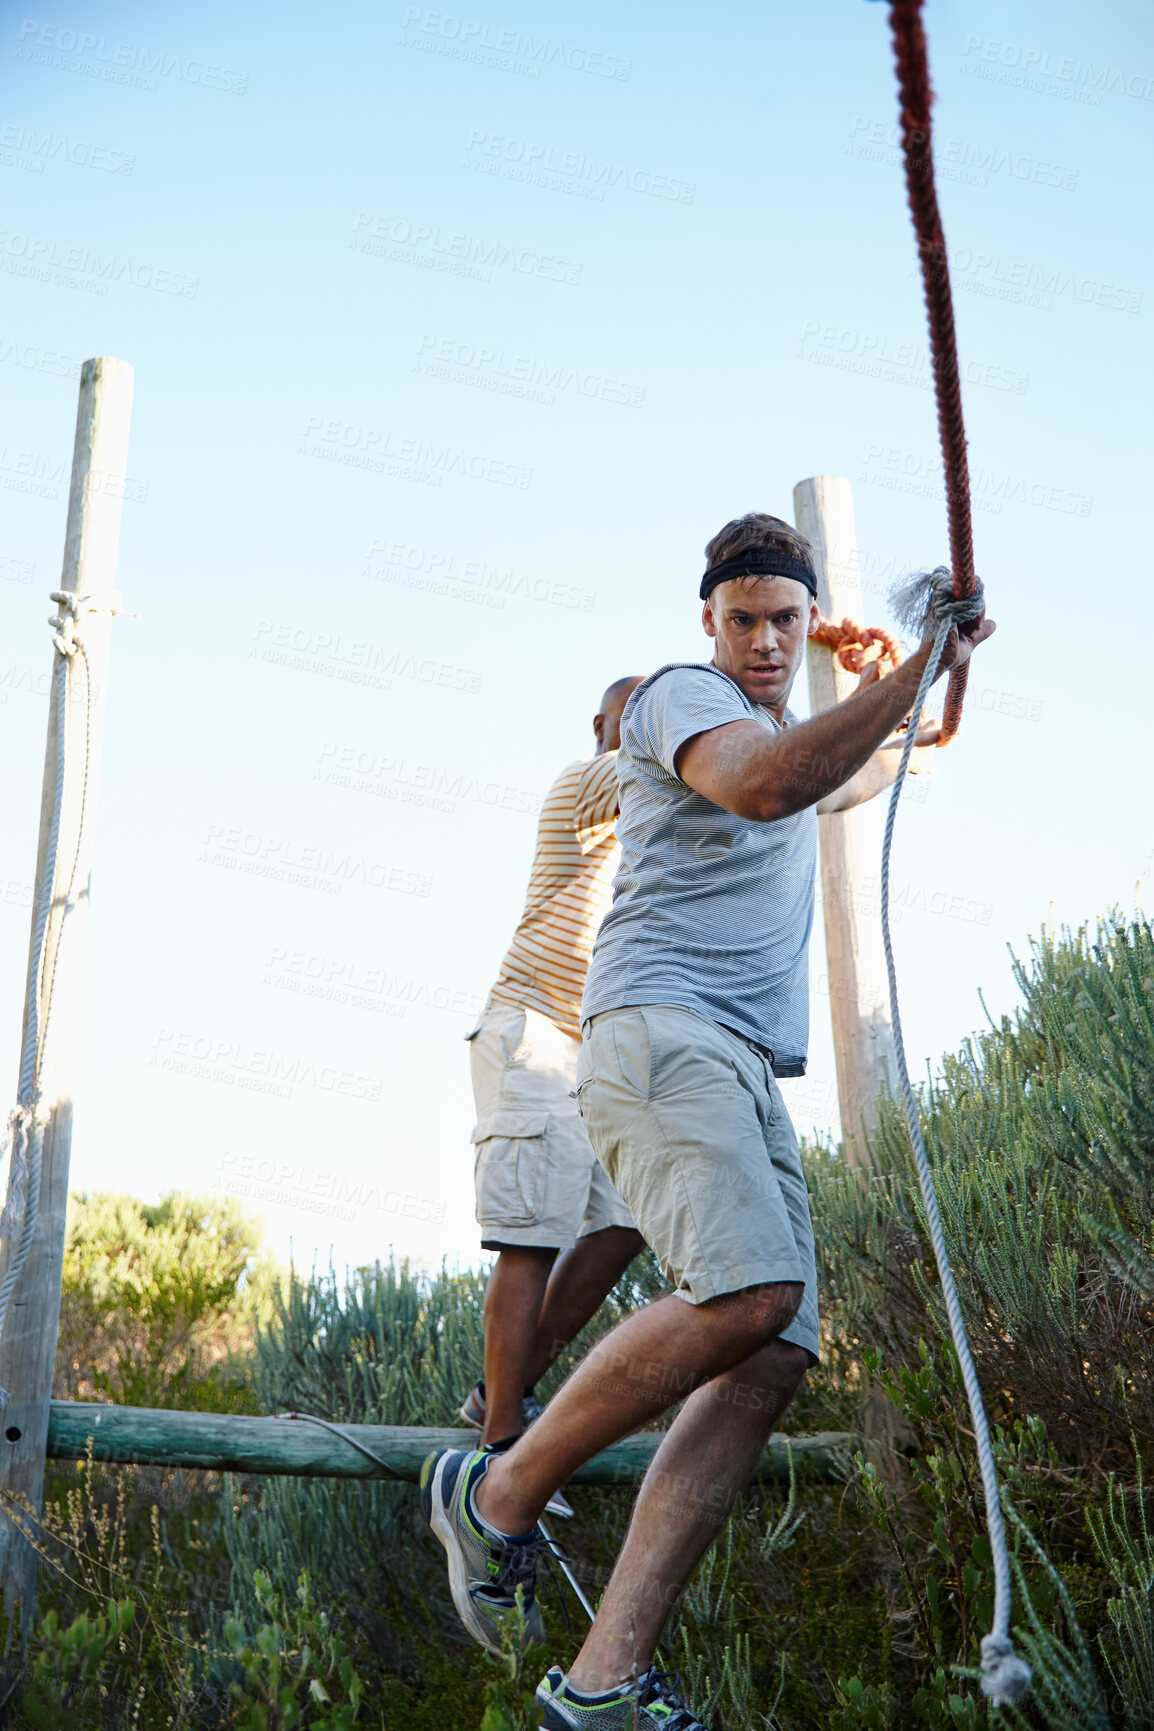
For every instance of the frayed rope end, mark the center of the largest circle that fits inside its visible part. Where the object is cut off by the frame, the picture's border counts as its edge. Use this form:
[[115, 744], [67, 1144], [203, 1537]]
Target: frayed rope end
[[926, 598], [1005, 1677]]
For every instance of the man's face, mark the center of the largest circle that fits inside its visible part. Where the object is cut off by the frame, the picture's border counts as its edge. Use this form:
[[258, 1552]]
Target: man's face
[[760, 626]]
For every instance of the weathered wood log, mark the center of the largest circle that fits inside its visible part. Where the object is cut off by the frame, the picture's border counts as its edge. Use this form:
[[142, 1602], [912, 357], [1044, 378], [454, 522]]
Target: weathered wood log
[[28, 1346], [226, 1442]]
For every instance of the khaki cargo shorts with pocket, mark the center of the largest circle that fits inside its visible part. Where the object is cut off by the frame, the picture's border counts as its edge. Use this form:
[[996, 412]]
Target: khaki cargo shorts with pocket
[[538, 1180], [690, 1125]]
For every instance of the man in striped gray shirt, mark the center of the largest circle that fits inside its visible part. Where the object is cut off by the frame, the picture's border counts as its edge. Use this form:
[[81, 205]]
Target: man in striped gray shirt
[[696, 999]]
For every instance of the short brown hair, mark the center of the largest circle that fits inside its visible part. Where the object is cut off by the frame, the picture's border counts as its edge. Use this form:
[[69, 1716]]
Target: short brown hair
[[757, 530]]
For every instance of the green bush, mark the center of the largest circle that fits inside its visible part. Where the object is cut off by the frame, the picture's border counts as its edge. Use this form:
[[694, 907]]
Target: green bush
[[822, 1605], [294, 1670], [158, 1302]]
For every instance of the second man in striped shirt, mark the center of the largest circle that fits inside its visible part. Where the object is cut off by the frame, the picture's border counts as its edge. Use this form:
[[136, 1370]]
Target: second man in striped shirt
[[540, 1188]]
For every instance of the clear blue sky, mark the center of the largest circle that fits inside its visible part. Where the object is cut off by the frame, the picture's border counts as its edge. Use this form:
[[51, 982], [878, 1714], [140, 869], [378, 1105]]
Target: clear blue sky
[[456, 336]]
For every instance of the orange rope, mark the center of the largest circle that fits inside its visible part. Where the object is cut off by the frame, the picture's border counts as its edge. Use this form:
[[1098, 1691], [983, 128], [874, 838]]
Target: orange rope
[[857, 645]]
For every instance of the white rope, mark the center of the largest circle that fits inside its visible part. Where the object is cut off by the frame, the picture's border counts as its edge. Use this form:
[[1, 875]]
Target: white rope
[[390, 1472], [24, 1139], [929, 601]]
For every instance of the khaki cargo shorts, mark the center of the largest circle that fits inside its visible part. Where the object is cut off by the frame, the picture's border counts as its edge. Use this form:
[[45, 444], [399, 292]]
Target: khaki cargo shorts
[[689, 1123], [538, 1180]]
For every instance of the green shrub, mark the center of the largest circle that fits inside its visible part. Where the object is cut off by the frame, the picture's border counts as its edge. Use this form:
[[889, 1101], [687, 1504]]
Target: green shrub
[[158, 1302], [68, 1672], [295, 1670], [848, 1605]]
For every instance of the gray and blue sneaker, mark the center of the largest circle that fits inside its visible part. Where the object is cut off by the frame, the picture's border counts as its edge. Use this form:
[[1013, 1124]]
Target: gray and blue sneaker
[[485, 1567], [473, 1408], [473, 1412], [650, 1704]]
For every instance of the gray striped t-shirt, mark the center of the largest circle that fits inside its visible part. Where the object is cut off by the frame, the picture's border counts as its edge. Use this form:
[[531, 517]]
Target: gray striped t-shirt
[[710, 911]]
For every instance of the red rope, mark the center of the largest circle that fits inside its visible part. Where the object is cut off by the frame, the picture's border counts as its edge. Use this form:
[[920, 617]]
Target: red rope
[[916, 98]]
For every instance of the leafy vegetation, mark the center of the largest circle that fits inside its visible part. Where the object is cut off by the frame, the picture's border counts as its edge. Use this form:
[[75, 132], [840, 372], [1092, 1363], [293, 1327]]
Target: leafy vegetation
[[157, 1302], [186, 1600]]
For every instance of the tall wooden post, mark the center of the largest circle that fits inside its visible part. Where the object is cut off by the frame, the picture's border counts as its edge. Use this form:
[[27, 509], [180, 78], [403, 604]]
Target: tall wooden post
[[862, 1037], [28, 1344]]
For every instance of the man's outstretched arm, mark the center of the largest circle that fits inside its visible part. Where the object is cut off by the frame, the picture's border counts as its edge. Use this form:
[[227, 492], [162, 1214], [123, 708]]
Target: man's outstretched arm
[[765, 777], [879, 772]]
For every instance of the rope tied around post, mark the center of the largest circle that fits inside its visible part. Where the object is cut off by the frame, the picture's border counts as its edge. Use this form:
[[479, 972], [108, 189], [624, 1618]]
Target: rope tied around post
[[24, 1137], [923, 603], [69, 607]]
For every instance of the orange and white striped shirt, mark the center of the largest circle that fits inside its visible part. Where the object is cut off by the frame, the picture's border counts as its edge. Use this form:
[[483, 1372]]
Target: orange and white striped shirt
[[570, 890]]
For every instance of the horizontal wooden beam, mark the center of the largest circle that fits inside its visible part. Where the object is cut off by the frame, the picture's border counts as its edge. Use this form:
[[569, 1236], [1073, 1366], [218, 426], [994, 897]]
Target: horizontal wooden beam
[[226, 1442]]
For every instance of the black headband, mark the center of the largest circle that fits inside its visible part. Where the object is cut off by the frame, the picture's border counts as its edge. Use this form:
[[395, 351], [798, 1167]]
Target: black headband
[[758, 563]]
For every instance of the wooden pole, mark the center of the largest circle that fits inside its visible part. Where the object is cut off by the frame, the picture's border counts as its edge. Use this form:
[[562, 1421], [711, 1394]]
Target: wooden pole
[[28, 1345], [855, 963], [227, 1442]]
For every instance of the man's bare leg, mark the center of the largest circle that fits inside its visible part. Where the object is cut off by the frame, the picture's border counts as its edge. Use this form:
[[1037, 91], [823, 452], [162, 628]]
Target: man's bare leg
[[581, 1280], [706, 1460], [647, 1363], [516, 1291]]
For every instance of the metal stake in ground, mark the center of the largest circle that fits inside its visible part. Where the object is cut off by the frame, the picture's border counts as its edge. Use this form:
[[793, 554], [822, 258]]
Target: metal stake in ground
[[33, 1249]]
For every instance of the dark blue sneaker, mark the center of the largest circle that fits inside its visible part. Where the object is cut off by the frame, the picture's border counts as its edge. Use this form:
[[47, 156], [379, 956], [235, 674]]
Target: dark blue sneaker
[[485, 1567]]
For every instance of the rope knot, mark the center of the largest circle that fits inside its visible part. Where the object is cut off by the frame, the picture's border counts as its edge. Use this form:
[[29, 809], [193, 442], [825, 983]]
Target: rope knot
[[69, 607], [1005, 1677], [857, 645], [925, 601]]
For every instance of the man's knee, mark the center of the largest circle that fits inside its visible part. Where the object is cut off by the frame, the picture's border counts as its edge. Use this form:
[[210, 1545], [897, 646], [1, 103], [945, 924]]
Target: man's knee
[[790, 1364], [761, 1313]]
